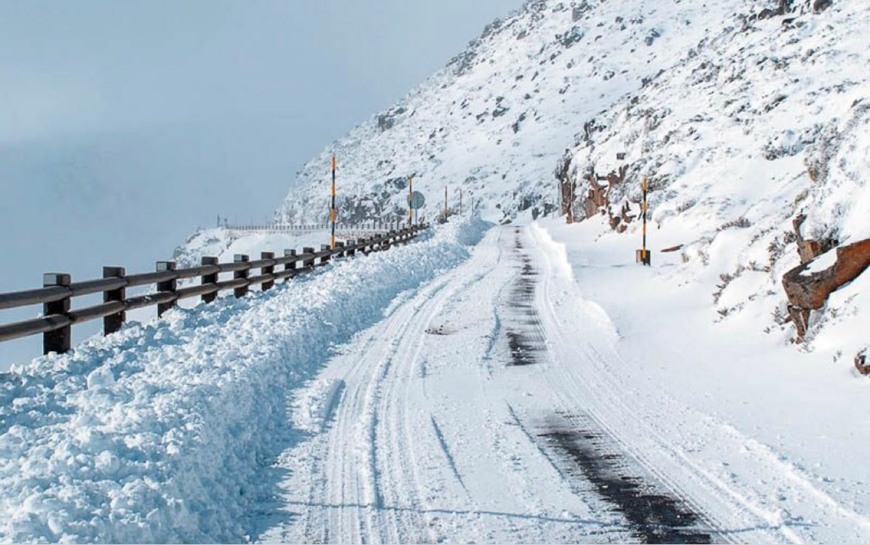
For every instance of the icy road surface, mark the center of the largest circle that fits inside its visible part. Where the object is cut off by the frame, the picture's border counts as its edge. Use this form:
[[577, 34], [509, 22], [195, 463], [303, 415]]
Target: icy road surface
[[490, 406]]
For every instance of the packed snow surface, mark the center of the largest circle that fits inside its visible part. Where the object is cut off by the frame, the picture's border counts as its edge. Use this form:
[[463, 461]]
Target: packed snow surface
[[530, 385], [543, 391]]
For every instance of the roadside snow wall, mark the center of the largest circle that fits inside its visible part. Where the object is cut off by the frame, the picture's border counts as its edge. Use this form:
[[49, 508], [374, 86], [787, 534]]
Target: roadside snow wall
[[160, 433]]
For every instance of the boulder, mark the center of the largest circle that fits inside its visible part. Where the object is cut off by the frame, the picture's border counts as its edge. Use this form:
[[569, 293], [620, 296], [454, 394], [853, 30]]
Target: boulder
[[782, 7], [809, 290]]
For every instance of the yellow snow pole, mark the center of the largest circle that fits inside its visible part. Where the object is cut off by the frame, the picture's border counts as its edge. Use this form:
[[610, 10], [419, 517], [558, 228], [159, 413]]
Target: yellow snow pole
[[643, 255], [333, 215]]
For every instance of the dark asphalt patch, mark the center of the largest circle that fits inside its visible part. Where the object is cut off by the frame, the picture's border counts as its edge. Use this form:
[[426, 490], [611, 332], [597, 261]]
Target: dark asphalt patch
[[653, 516], [523, 326]]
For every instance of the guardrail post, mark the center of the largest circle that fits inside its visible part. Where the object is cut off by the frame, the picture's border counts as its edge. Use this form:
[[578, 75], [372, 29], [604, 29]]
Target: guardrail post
[[340, 247], [58, 340], [166, 285], [351, 251], [308, 263], [267, 270], [325, 259], [241, 258], [113, 322], [209, 279], [290, 266]]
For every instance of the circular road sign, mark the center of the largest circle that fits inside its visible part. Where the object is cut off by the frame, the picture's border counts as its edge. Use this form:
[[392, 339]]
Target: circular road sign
[[416, 200]]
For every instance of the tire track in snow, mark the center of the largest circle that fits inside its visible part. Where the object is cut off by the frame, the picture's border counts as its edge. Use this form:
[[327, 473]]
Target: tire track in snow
[[449, 457], [653, 515], [360, 497], [733, 505]]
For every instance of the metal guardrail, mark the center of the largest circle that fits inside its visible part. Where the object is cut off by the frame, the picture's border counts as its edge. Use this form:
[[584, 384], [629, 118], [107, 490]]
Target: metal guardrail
[[58, 289]]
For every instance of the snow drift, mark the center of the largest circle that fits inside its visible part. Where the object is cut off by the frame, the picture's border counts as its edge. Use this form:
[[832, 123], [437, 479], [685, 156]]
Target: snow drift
[[162, 432]]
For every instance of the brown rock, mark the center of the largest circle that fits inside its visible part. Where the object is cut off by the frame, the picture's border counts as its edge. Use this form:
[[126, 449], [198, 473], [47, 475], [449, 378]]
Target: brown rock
[[810, 290], [596, 197]]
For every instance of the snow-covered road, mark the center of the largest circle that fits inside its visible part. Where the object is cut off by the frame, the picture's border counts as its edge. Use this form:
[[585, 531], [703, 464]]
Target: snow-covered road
[[453, 389], [492, 406]]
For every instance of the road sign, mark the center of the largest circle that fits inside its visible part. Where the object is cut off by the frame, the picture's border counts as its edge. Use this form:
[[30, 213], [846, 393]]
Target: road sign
[[416, 200]]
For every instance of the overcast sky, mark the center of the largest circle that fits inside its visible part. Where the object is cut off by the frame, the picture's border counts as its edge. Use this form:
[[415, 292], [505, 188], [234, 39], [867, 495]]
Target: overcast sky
[[126, 125], [324, 64]]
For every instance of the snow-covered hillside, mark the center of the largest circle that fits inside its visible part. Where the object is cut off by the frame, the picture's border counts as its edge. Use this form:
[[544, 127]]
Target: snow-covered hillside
[[742, 114], [498, 117]]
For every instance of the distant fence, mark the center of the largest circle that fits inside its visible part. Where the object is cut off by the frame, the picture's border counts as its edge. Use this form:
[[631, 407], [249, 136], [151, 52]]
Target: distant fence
[[372, 226], [58, 290]]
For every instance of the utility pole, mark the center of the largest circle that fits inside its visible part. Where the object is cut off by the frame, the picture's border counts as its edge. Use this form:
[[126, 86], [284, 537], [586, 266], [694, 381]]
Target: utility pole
[[332, 212]]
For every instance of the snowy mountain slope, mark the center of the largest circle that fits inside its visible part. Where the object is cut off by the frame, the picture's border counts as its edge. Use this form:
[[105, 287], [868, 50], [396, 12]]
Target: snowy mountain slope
[[742, 118], [762, 122], [498, 117]]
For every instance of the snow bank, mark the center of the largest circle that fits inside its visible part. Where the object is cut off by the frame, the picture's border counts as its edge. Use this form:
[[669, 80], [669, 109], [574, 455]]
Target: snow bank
[[316, 403], [160, 433]]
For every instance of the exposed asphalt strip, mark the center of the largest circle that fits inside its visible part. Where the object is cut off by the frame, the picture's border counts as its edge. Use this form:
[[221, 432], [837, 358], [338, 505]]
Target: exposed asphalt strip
[[587, 453], [523, 325], [582, 450]]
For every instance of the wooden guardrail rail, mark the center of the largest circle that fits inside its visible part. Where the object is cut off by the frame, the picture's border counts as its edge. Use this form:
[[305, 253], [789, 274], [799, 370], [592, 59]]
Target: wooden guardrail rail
[[58, 289]]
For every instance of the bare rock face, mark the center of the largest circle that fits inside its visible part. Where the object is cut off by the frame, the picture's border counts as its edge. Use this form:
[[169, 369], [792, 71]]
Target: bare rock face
[[597, 198], [809, 291]]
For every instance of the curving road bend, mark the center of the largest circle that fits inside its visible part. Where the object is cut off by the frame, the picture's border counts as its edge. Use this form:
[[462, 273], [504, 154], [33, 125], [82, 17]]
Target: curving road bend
[[490, 406]]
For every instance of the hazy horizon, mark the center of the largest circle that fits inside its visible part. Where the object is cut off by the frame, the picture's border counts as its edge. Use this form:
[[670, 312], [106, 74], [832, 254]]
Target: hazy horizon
[[127, 126]]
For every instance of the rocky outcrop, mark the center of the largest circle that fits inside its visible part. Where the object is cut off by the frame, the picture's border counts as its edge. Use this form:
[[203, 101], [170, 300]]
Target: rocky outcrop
[[809, 249], [809, 290], [589, 193]]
